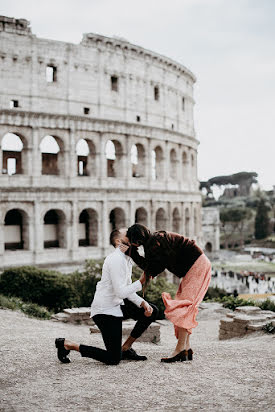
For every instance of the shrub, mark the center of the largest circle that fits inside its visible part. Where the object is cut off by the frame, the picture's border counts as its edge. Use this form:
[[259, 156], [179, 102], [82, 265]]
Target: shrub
[[30, 309], [267, 304], [9, 303], [232, 303], [31, 284], [213, 293], [36, 311], [84, 283], [269, 328]]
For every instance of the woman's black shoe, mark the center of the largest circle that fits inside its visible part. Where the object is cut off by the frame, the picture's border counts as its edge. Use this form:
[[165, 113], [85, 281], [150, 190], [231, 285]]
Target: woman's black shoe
[[190, 354], [61, 351], [180, 357]]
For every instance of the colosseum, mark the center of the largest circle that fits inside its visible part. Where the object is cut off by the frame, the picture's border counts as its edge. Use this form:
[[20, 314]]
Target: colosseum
[[93, 136]]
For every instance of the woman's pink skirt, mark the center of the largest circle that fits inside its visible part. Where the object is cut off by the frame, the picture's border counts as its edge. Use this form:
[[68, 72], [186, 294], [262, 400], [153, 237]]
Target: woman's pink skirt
[[182, 310]]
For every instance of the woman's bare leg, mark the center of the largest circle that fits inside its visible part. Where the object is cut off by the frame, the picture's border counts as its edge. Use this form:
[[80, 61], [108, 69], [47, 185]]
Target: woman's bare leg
[[182, 338], [188, 342]]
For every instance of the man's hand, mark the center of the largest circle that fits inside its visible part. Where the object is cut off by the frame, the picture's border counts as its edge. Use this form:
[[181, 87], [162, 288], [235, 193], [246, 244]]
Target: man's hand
[[123, 247], [148, 310]]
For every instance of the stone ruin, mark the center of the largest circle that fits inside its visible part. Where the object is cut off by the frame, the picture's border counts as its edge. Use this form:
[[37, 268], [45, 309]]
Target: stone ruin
[[244, 321]]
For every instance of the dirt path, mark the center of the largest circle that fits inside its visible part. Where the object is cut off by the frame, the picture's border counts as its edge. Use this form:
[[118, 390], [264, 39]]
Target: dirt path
[[233, 375]]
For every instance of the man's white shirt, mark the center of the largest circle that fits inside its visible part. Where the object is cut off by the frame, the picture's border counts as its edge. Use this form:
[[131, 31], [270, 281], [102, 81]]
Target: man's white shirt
[[115, 285]]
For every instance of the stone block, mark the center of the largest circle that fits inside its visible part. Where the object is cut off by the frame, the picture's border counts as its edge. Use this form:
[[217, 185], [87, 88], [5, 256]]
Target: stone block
[[256, 327], [248, 309], [61, 317]]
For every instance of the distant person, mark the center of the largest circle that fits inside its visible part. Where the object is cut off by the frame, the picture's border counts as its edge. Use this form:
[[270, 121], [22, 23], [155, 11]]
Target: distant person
[[115, 299], [183, 257]]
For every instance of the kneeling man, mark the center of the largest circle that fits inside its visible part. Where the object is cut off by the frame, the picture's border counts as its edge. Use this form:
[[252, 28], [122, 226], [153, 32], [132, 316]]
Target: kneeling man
[[115, 299]]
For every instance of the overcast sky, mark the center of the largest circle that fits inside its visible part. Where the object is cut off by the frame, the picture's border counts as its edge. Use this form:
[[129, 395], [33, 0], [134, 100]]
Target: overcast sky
[[228, 44]]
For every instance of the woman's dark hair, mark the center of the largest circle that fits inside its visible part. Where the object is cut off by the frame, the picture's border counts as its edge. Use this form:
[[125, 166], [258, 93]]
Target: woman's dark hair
[[138, 234]]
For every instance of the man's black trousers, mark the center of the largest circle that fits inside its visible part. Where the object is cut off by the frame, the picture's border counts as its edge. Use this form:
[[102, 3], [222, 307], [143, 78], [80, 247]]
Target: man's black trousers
[[111, 330]]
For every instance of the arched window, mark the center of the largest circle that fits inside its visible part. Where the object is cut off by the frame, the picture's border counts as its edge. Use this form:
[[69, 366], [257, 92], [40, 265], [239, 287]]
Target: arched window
[[12, 147], [54, 229], [161, 219], [141, 216], [138, 160], [52, 156], [16, 230], [157, 163], [114, 153], [117, 219], [173, 164], [187, 222], [176, 221], [208, 247], [88, 228], [86, 155]]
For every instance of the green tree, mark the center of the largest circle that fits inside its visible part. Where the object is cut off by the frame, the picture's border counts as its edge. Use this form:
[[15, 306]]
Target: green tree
[[262, 221], [234, 219]]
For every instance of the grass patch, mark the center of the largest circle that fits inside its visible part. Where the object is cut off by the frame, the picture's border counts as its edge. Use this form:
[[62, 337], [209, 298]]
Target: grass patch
[[232, 303], [30, 309]]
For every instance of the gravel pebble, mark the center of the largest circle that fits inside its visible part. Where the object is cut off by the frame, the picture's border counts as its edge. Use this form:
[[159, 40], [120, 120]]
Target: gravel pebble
[[233, 375]]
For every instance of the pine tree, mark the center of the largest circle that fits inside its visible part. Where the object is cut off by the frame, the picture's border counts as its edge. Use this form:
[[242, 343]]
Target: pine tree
[[261, 221]]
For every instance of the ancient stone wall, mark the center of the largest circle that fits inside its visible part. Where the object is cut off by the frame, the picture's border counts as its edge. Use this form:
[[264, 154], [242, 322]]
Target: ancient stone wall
[[132, 108]]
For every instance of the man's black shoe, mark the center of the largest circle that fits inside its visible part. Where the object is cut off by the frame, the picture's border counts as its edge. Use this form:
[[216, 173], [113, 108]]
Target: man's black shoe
[[132, 355], [62, 353]]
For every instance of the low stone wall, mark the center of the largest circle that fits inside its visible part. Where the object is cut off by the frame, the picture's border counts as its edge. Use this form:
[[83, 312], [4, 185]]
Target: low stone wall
[[74, 315], [82, 316], [244, 321]]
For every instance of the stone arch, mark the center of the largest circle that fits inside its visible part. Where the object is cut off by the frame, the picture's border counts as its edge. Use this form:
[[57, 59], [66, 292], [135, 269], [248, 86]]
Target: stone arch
[[88, 228], [161, 219], [14, 151], [114, 156], [16, 230], [187, 222], [138, 160], [86, 157], [173, 164], [176, 220], [157, 163], [141, 216], [208, 247], [54, 229], [52, 155], [117, 218]]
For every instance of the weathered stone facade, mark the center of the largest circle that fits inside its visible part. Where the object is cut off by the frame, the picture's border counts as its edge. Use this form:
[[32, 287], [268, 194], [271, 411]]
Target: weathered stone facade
[[211, 229], [60, 205]]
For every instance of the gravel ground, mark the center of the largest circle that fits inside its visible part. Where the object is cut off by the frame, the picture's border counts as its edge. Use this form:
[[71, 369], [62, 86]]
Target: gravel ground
[[234, 375]]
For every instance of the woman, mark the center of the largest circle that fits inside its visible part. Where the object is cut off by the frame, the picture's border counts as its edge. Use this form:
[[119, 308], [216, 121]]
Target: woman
[[183, 257]]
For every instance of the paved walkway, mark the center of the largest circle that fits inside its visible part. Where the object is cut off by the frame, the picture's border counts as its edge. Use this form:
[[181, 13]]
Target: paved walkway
[[234, 375]]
